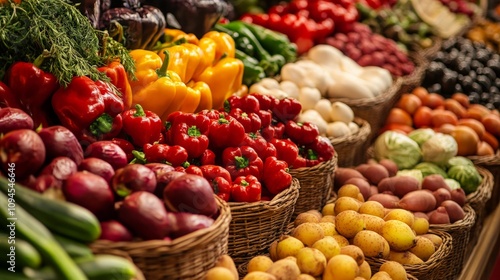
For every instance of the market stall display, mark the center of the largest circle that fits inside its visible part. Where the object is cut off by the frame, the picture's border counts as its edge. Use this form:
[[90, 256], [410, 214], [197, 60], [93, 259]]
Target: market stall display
[[247, 139]]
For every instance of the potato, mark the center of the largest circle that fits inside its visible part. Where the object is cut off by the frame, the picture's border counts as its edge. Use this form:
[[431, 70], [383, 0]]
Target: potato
[[227, 262], [455, 212], [458, 195], [284, 270], [423, 249], [328, 245], [441, 195], [436, 239], [348, 223], [219, 273], [341, 267], [341, 240], [395, 270], [387, 200], [399, 235], [346, 203], [373, 190], [355, 252], [259, 263], [421, 215], [305, 277], [418, 201], [381, 275], [399, 185], [305, 218], [420, 225], [373, 223], [312, 261], [439, 216], [328, 228], [348, 190], [342, 174], [402, 215], [371, 243], [273, 251], [434, 182], [328, 219], [259, 275], [362, 184], [288, 246], [374, 173], [405, 257], [316, 213], [365, 271], [308, 233], [390, 165], [373, 208], [328, 209]]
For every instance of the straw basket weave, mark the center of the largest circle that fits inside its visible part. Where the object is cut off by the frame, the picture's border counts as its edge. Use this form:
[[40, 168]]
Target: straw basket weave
[[478, 200], [254, 226], [431, 51], [460, 232], [186, 257], [435, 268], [375, 109], [492, 163], [316, 185], [351, 149], [417, 76]]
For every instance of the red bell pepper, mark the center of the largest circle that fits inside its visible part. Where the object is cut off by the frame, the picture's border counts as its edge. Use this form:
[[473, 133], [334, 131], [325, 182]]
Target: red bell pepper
[[276, 177], [213, 114], [343, 12], [263, 148], [301, 133], [246, 189], [7, 98], [142, 126], [90, 109], [225, 132], [266, 117], [119, 78], [266, 102], [250, 121], [220, 180], [193, 169], [323, 148], [199, 120], [299, 162], [163, 153], [247, 103], [207, 158], [267, 132], [279, 130], [33, 88], [286, 150], [309, 156], [287, 109], [126, 146], [192, 137], [242, 161]]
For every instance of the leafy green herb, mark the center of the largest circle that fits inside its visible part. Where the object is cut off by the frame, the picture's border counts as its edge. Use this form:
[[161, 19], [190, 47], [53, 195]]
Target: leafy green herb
[[75, 47]]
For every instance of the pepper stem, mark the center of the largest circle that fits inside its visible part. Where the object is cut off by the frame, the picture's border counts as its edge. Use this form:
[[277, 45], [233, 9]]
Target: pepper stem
[[103, 124], [241, 162], [162, 72], [193, 131], [139, 157], [139, 111], [39, 60], [312, 154], [244, 183]]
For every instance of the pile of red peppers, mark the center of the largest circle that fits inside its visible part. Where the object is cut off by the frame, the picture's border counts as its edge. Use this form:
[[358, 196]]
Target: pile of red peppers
[[307, 22], [244, 150]]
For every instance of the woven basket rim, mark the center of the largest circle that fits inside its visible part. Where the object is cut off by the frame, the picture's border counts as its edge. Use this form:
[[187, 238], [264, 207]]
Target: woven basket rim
[[331, 163], [182, 243], [486, 160], [484, 190], [373, 101], [361, 135], [277, 199]]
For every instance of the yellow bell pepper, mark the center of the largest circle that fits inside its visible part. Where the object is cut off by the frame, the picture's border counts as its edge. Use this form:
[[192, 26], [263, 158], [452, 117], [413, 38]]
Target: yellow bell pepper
[[198, 97], [225, 44], [172, 35], [155, 88], [185, 60], [224, 79]]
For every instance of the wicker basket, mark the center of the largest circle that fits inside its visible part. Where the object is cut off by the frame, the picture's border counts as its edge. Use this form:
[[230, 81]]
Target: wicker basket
[[351, 149], [460, 232], [435, 268], [254, 226], [478, 201], [376, 109], [430, 52], [187, 257], [417, 76], [316, 185], [492, 164]]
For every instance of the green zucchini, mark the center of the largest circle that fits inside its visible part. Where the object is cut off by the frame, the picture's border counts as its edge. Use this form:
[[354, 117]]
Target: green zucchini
[[75, 249], [25, 254], [61, 217], [34, 232], [102, 267]]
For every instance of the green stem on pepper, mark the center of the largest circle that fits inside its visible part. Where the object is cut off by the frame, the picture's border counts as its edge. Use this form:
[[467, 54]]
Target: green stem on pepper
[[103, 124]]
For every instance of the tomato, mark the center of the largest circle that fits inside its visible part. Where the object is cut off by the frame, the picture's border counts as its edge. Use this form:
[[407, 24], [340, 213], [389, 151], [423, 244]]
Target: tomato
[[399, 116], [455, 107], [474, 124], [461, 98], [484, 149], [422, 117], [409, 103], [467, 140], [445, 128], [478, 112], [491, 123], [440, 117], [420, 92], [433, 100], [490, 139]]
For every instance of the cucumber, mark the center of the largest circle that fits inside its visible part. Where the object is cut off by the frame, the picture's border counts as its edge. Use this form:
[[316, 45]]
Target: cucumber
[[75, 249], [102, 267], [34, 232], [25, 254], [61, 217]]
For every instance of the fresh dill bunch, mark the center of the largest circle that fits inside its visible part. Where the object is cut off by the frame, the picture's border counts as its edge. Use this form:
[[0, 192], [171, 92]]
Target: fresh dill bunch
[[29, 28]]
